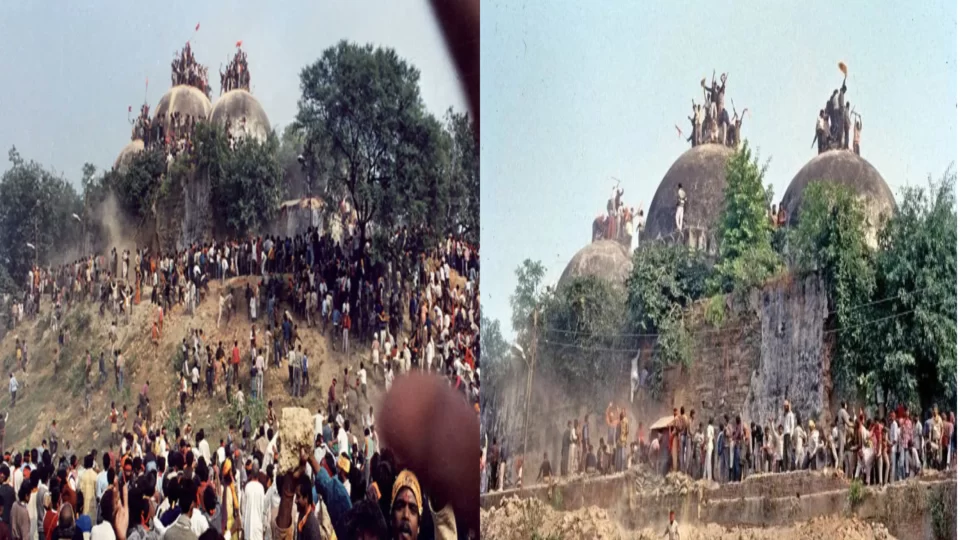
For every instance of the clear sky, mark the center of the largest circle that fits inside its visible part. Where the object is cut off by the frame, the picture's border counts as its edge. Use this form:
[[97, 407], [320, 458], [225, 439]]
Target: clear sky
[[572, 95], [70, 69]]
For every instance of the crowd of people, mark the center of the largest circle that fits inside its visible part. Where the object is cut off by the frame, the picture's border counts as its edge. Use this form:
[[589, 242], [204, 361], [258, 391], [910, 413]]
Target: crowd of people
[[620, 222], [185, 70], [418, 310], [834, 123], [154, 484], [710, 121], [876, 450], [237, 75]]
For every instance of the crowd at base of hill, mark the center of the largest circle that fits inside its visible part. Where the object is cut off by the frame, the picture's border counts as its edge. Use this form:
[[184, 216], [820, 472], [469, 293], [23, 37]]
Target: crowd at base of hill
[[348, 487]]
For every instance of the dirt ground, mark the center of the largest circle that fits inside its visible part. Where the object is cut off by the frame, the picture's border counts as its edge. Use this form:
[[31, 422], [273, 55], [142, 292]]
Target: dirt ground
[[526, 519], [47, 394]]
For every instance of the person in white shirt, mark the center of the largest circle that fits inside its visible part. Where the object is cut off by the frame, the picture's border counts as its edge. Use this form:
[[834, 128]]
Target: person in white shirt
[[254, 505], [203, 446], [362, 376], [789, 425], [711, 436], [343, 441], [388, 377]]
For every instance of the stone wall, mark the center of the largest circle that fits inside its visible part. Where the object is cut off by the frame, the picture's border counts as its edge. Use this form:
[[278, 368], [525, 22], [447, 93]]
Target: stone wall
[[906, 508], [770, 347]]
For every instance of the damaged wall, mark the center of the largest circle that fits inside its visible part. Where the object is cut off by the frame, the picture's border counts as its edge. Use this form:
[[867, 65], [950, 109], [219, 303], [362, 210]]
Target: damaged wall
[[197, 224], [768, 349]]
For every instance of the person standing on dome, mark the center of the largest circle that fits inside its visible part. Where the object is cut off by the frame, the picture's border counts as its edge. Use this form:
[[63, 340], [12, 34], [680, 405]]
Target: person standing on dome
[[681, 204], [857, 126]]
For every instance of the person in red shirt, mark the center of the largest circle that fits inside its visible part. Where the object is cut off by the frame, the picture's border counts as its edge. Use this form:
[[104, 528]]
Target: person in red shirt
[[235, 360]]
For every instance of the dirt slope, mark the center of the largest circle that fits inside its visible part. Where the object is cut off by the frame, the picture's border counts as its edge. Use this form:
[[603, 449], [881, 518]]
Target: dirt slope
[[46, 394]]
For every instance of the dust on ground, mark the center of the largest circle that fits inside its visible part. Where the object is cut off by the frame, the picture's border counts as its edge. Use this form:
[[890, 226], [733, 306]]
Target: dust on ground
[[525, 519]]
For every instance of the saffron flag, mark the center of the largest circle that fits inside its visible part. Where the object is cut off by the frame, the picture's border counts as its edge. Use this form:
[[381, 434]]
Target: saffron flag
[[239, 43], [843, 68]]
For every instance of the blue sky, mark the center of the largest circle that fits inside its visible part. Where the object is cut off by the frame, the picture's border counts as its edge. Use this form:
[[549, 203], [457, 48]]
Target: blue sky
[[70, 69], [572, 95]]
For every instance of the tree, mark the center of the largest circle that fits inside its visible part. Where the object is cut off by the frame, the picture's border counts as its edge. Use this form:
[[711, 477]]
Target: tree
[[916, 267], [245, 181], [663, 276], [830, 239], [363, 104], [582, 342], [526, 297], [137, 186], [36, 207], [464, 206], [496, 372], [747, 257]]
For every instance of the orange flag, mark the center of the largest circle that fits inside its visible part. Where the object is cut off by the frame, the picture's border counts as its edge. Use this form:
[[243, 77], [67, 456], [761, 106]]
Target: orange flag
[[239, 43]]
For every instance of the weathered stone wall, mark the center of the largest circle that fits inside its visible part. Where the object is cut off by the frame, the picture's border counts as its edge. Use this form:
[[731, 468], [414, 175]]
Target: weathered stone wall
[[770, 347], [198, 222]]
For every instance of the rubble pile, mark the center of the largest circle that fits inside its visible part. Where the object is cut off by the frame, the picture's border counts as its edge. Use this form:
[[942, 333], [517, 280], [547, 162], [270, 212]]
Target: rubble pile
[[815, 529], [647, 483], [522, 519]]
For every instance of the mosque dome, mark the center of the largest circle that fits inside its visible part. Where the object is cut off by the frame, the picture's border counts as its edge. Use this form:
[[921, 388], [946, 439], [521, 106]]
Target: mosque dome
[[185, 99], [702, 172], [608, 260], [132, 148], [848, 169], [244, 113]]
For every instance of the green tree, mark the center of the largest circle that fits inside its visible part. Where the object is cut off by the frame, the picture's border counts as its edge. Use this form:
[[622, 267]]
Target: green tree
[[526, 297], [245, 181], [747, 257], [464, 183], [582, 343], [496, 372], [830, 239], [36, 207], [364, 106], [663, 276], [137, 186], [916, 266]]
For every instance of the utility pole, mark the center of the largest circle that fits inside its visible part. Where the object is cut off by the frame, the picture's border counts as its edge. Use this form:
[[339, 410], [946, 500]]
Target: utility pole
[[531, 364]]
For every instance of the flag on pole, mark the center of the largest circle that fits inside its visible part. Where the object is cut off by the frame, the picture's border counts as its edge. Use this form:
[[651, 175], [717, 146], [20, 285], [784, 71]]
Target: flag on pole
[[239, 43], [129, 108], [843, 68], [679, 131], [197, 29]]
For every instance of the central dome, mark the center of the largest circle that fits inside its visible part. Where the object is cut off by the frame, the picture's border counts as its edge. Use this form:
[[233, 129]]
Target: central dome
[[184, 99], [608, 260], [848, 169], [244, 113], [702, 170]]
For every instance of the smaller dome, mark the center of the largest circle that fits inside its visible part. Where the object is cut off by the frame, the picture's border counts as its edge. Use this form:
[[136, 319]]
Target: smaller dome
[[244, 113], [123, 161], [184, 99], [608, 260]]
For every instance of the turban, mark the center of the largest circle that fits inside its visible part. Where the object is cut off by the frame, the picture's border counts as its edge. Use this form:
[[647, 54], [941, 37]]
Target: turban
[[344, 464], [227, 467], [407, 479]]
